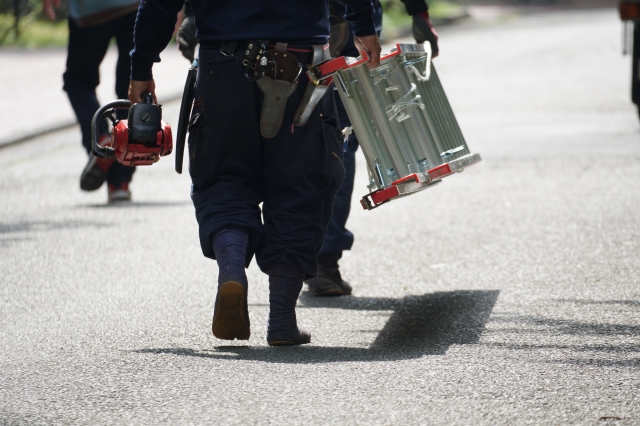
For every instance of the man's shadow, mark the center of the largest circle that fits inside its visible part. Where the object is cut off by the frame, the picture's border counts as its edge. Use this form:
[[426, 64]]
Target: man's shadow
[[419, 326]]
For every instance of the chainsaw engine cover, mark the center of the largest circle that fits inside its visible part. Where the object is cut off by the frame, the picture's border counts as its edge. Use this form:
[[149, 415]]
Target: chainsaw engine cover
[[144, 121], [132, 152]]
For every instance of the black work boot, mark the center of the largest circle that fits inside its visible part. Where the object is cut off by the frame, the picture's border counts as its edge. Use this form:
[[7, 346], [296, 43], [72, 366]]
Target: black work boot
[[96, 170], [285, 283], [300, 336], [329, 282]]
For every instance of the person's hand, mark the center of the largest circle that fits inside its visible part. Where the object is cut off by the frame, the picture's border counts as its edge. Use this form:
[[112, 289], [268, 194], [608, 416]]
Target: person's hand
[[371, 45], [48, 8], [423, 31], [186, 37], [138, 88]]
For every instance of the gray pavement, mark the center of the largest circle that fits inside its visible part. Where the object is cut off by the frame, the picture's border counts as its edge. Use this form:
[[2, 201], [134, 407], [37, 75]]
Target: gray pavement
[[33, 102], [509, 294]]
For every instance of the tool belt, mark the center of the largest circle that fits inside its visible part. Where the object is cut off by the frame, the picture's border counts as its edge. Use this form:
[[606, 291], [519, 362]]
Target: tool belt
[[280, 80], [276, 69]]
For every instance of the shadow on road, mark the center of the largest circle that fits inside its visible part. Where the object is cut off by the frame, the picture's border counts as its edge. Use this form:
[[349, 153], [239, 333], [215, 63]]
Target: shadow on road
[[556, 327], [419, 326], [613, 346], [600, 362], [7, 228], [11, 227], [635, 303], [134, 204], [6, 242]]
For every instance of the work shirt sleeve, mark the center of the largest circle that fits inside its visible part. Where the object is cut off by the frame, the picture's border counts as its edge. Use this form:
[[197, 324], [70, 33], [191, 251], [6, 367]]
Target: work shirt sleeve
[[415, 7], [188, 10], [360, 14], [154, 27]]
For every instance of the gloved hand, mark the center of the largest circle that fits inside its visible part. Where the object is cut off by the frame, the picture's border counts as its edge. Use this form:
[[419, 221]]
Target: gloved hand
[[186, 37], [424, 31]]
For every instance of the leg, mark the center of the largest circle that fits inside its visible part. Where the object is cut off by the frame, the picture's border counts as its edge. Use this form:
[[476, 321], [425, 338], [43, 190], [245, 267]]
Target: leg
[[285, 283], [119, 176], [87, 47], [338, 238], [225, 152], [329, 282], [231, 317], [302, 171], [225, 168]]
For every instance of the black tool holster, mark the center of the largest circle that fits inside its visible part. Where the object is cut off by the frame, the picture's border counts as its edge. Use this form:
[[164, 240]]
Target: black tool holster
[[185, 113]]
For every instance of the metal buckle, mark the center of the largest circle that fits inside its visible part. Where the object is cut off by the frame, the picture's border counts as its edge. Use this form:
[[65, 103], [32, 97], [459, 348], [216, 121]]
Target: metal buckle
[[254, 60]]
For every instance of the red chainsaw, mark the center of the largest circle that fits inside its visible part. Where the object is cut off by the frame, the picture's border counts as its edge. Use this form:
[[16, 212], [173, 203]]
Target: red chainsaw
[[140, 140]]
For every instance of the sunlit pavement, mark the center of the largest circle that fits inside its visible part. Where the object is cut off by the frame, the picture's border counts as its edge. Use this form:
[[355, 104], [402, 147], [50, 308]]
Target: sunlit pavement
[[509, 294]]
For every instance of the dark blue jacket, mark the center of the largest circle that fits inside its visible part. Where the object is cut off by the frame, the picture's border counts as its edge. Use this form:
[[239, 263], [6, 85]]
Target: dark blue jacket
[[300, 22]]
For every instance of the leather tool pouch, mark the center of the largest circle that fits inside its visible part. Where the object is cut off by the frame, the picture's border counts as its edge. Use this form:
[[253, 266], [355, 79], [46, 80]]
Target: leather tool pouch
[[279, 82], [313, 93]]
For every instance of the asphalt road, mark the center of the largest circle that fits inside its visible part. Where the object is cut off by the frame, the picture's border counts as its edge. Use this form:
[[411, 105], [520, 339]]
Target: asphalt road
[[509, 294]]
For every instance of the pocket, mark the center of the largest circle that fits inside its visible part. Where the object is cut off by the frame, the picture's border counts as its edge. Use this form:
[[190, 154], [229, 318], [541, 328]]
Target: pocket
[[214, 67], [333, 155]]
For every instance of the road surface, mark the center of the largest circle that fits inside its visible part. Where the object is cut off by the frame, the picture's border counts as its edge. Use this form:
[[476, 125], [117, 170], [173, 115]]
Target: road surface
[[509, 294]]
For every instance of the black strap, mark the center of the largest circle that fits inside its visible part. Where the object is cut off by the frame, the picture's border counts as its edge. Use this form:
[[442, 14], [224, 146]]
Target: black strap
[[228, 48]]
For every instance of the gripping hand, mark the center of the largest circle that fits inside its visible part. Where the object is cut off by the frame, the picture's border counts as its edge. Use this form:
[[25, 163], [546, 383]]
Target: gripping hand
[[423, 31], [186, 37]]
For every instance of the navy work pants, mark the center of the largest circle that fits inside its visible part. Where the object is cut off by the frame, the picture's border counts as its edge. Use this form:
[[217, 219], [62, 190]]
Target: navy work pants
[[339, 238], [295, 175], [86, 50]]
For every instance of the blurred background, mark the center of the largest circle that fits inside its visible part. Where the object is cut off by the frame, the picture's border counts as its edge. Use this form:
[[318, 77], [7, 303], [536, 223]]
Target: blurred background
[[29, 41], [23, 23], [519, 279]]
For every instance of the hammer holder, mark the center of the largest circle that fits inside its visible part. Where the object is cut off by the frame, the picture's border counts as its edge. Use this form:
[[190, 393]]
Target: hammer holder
[[314, 92], [280, 80]]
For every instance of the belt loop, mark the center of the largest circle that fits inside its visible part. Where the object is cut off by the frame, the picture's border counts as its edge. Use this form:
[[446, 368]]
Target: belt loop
[[228, 48]]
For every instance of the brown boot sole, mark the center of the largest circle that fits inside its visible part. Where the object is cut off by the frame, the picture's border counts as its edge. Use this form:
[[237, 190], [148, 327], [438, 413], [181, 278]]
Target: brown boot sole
[[229, 321]]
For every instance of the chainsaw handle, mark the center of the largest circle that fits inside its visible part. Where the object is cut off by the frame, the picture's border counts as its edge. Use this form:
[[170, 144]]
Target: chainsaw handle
[[107, 151]]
